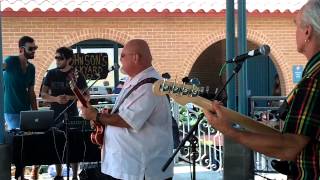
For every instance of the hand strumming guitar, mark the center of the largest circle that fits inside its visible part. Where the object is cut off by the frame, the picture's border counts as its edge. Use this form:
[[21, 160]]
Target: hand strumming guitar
[[89, 112], [92, 114]]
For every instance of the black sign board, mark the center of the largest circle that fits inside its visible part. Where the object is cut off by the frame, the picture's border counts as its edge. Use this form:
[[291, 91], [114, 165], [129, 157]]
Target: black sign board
[[92, 65]]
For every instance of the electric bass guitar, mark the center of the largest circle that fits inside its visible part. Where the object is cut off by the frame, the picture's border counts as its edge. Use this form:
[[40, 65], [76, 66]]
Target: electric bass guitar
[[183, 94], [98, 133]]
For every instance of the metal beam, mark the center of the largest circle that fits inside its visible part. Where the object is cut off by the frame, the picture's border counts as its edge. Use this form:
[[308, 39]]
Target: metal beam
[[242, 47], [237, 158], [116, 61], [228, 158], [230, 52], [2, 121], [246, 155]]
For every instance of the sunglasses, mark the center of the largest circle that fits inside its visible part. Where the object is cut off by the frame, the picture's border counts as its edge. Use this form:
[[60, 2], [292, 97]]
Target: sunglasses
[[59, 58], [30, 48]]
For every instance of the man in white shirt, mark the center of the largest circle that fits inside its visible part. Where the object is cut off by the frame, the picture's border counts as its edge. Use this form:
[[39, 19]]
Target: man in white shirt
[[138, 132]]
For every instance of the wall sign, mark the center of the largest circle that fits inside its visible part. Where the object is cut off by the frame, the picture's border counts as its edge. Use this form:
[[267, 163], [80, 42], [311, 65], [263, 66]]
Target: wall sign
[[297, 73], [92, 65]]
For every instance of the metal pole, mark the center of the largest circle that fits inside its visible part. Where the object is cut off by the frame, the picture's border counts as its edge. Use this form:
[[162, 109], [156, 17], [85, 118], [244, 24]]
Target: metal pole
[[5, 149], [230, 52], [242, 46], [228, 158], [116, 61], [2, 122], [247, 154]]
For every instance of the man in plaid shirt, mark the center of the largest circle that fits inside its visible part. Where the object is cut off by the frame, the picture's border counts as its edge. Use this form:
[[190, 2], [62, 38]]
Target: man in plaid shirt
[[299, 141]]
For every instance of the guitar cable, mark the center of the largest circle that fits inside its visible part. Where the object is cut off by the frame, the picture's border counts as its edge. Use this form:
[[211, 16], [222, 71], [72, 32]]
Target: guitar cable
[[55, 144], [223, 98], [21, 152], [263, 176], [84, 142]]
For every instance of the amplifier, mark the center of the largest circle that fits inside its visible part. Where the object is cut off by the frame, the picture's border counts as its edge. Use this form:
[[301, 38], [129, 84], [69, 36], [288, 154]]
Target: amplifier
[[78, 122]]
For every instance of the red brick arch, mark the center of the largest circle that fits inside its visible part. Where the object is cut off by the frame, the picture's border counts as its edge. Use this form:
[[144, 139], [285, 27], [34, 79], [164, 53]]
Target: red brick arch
[[73, 38], [253, 36]]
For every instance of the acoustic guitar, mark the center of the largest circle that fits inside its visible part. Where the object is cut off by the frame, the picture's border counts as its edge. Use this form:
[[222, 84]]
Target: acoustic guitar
[[97, 135], [184, 93]]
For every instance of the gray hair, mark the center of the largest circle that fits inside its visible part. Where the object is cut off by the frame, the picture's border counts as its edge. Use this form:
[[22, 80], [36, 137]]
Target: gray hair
[[311, 15]]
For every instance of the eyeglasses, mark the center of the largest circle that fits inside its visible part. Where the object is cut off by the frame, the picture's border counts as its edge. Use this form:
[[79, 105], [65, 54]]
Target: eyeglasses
[[126, 54], [59, 58], [30, 48]]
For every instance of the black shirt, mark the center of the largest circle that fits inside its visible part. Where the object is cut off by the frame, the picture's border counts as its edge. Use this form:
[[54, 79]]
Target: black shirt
[[58, 84]]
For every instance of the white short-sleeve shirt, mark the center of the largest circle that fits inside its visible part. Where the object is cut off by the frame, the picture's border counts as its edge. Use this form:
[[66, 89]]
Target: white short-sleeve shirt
[[140, 151]]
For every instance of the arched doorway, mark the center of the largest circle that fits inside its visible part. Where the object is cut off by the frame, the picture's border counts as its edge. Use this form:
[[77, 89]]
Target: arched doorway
[[208, 68]]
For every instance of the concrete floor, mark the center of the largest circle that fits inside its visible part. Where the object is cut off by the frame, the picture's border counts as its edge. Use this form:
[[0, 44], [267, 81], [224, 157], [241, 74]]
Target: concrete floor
[[182, 172]]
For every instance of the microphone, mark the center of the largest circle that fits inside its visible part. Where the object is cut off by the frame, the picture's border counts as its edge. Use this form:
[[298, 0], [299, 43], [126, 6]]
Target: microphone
[[114, 67], [104, 73], [262, 50]]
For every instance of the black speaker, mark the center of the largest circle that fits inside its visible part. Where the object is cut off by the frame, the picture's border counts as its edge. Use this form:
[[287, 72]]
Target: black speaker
[[284, 167], [91, 174], [5, 161]]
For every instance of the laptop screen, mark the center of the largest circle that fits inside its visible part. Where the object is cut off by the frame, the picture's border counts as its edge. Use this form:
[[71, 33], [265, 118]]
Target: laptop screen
[[36, 120]]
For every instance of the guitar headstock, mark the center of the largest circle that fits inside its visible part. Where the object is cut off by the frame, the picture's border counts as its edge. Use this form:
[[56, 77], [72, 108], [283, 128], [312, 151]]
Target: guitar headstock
[[73, 76], [181, 93]]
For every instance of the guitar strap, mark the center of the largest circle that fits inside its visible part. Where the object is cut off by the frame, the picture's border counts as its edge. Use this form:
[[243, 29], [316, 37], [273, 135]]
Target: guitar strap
[[175, 128], [284, 108], [144, 81]]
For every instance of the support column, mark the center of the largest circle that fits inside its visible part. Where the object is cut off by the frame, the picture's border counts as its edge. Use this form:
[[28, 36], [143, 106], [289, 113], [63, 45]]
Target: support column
[[237, 158], [5, 149], [116, 61]]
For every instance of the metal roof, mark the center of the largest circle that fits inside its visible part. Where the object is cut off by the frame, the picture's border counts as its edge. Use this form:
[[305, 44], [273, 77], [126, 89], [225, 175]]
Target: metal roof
[[181, 6]]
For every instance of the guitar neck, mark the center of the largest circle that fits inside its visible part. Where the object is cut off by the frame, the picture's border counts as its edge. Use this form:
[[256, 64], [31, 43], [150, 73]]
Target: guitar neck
[[80, 97], [244, 121]]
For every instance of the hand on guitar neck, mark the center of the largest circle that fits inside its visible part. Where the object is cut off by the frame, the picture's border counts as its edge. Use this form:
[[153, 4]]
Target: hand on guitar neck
[[218, 118]]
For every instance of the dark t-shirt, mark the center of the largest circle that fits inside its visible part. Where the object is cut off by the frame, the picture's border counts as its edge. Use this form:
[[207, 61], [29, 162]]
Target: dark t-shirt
[[58, 83], [16, 84]]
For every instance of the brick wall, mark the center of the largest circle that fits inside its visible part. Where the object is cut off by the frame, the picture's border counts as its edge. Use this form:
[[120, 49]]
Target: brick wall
[[176, 42]]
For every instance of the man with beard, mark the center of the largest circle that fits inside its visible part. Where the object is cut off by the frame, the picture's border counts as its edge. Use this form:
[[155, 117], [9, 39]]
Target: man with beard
[[61, 95], [19, 95]]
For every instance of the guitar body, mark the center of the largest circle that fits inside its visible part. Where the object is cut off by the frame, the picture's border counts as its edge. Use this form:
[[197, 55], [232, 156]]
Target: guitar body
[[97, 135]]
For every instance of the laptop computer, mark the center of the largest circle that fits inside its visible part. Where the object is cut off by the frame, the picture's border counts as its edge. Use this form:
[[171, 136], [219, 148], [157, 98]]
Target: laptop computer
[[36, 120]]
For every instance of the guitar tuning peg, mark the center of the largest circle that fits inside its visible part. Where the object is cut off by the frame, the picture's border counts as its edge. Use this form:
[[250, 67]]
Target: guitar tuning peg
[[185, 80], [201, 90], [207, 89], [166, 76], [195, 81]]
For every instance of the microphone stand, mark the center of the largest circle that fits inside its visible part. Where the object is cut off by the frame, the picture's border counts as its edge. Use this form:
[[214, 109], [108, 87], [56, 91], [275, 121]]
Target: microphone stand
[[193, 142], [190, 135], [66, 121]]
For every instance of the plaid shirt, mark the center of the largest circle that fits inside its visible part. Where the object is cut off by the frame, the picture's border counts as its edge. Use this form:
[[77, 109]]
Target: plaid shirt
[[304, 118]]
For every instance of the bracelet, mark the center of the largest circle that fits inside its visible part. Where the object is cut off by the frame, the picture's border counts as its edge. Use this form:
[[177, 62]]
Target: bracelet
[[98, 117]]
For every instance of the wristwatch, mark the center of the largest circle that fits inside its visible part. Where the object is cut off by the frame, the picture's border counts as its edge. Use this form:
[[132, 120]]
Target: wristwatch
[[98, 117]]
